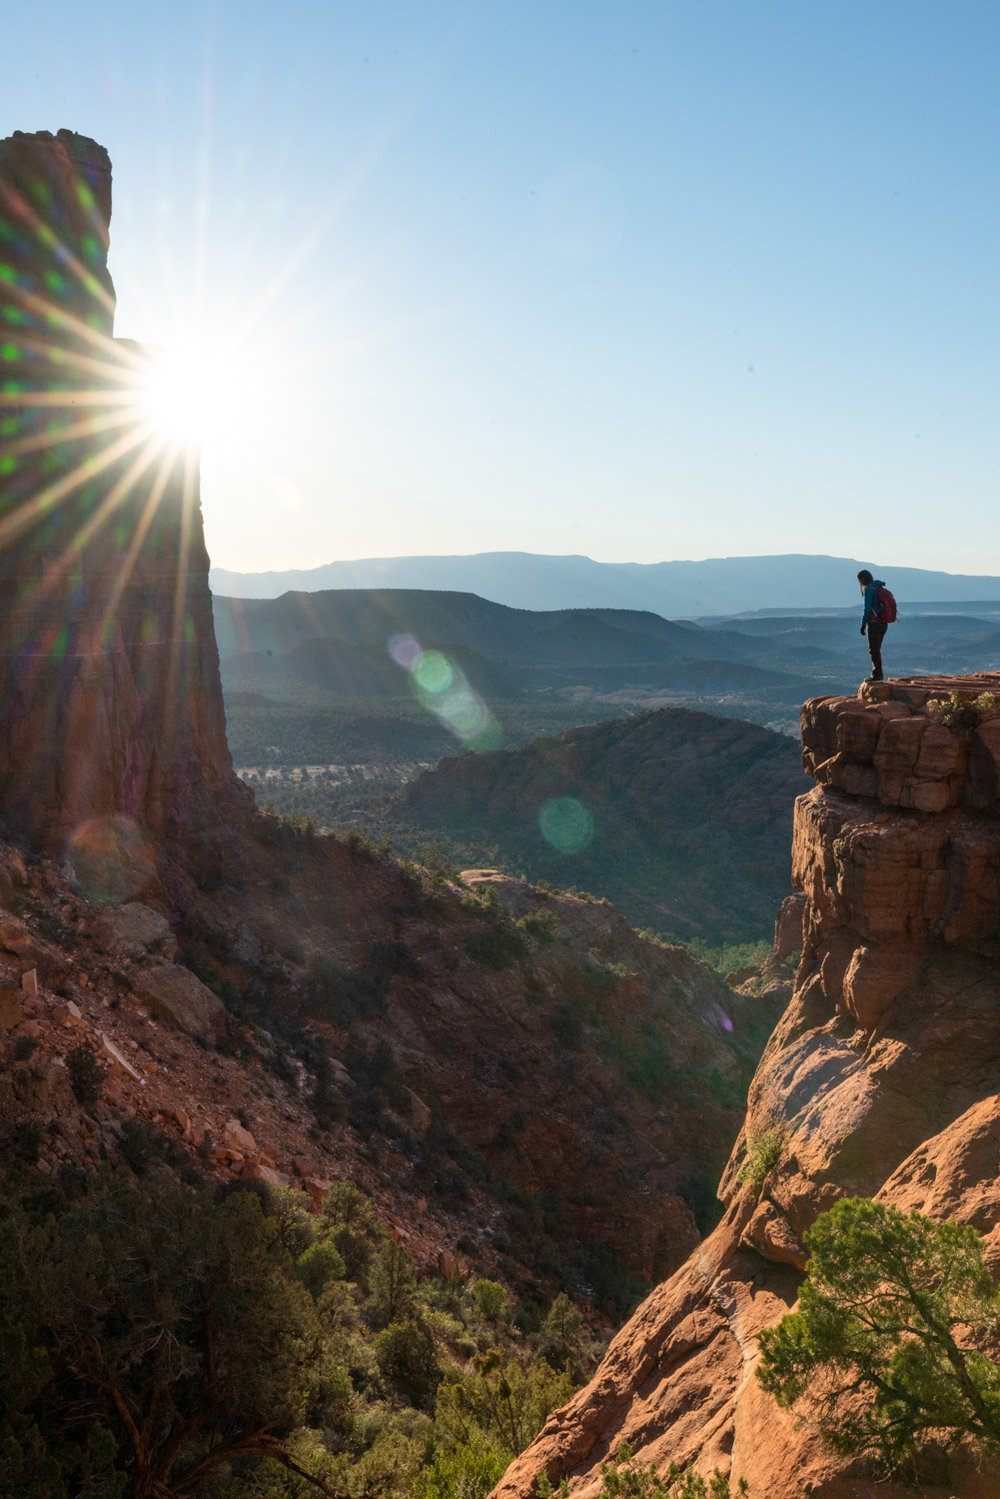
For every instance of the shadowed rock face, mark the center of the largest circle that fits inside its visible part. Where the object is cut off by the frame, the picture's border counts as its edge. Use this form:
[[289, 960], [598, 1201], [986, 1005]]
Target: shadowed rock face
[[883, 1077], [110, 705]]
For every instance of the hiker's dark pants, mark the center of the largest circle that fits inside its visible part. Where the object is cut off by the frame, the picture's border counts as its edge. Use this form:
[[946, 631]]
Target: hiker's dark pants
[[876, 635]]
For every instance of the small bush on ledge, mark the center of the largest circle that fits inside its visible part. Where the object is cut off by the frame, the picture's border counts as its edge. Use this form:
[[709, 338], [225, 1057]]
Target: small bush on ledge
[[764, 1151], [957, 713]]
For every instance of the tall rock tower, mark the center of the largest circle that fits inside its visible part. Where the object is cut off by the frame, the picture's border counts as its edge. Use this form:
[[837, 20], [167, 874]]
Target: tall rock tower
[[111, 714]]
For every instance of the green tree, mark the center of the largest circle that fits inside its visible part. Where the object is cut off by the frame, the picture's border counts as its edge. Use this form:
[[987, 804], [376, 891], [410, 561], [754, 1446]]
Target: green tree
[[465, 1472], [156, 1334], [561, 1336], [491, 1300], [354, 1230], [392, 1285], [624, 1478], [505, 1401], [406, 1356], [889, 1342]]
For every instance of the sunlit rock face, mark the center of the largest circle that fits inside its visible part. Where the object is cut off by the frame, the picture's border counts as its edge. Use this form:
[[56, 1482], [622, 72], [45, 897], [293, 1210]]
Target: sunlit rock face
[[110, 703], [882, 1079]]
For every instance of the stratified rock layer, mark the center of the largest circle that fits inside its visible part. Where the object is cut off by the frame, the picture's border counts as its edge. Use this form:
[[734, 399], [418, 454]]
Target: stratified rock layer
[[882, 1079], [110, 704]]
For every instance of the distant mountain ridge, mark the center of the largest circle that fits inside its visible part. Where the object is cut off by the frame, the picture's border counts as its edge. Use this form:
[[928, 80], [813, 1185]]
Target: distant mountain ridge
[[341, 639], [680, 589]]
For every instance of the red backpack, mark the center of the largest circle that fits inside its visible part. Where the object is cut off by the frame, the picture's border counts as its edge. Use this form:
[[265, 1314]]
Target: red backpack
[[885, 605]]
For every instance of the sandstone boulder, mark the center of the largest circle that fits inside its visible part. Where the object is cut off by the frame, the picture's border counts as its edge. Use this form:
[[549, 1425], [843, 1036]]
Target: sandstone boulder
[[238, 1137], [135, 929], [11, 1009], [179, 998], [50, 964]]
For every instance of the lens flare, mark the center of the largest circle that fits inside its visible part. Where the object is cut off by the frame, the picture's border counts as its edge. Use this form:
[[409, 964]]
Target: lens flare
[[441, 687], [433, 672], [109, 859], [566, 824], [404, 650]]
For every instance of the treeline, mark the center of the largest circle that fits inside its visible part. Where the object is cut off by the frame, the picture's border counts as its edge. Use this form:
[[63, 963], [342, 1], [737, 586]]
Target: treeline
[[309, 729], [161, 1336]]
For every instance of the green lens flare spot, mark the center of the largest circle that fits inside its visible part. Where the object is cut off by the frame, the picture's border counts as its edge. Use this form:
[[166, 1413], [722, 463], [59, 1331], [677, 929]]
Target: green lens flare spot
[[466, 713], [8, 274], [566, 824], [433, 672], [9, 353], [8, 463]]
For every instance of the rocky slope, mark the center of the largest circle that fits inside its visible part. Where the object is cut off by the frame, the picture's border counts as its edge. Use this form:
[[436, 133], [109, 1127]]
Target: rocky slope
[[485, 1080], [689, 816], [883, 1078]]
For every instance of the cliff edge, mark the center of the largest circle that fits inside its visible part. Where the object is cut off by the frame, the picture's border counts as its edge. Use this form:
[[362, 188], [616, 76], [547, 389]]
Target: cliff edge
[[882, 1079]]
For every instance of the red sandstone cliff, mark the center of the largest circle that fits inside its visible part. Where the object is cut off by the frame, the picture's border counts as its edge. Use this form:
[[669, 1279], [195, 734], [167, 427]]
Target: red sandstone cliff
[[112, 729], [884, 1073]]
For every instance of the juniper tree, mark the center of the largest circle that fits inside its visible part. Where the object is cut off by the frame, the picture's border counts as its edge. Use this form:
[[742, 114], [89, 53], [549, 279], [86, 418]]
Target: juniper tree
[[894, 1337]]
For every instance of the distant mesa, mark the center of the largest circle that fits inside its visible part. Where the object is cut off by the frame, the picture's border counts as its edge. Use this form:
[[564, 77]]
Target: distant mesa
[[338, 639], [715, 587], [338, 642], [110, 702]]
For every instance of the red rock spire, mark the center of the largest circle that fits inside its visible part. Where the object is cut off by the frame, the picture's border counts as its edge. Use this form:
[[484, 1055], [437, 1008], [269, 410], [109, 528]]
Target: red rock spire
[[110, 700]]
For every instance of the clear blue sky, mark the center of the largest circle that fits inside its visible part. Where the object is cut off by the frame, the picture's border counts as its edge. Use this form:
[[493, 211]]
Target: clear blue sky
[[640, 279]]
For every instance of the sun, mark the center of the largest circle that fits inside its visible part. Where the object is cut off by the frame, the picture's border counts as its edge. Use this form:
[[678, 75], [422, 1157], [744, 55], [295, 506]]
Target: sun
[[194, 395]]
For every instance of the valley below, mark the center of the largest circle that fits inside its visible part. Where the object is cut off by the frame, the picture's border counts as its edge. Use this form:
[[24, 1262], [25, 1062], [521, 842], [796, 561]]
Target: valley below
[[328, 726]]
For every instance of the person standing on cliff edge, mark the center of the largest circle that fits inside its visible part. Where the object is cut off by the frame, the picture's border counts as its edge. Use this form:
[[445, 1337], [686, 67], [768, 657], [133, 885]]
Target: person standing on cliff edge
[[872, 622]]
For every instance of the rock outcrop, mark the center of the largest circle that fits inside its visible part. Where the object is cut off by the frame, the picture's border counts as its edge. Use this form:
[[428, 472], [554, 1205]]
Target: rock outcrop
[[881, 1079], [112, 730]]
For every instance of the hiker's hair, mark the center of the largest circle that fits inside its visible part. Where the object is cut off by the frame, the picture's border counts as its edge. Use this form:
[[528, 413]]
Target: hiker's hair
[[864, 576]]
